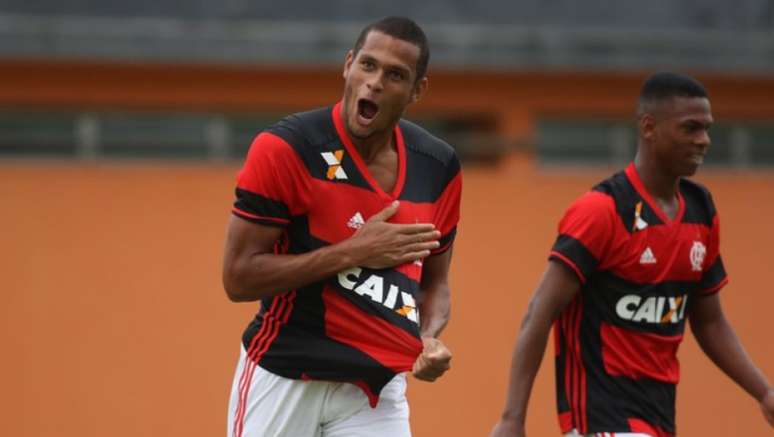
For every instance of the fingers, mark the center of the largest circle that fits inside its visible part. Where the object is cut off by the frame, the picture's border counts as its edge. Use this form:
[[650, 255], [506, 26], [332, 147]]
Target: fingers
[[425, 236], [386, 213], [427, 370], [433, 362], [419, 238], [422, 247], [439, 357], [418, 228]]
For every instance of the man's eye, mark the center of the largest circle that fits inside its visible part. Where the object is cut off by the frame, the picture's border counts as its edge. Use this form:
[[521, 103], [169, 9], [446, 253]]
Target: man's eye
[[396, 75]]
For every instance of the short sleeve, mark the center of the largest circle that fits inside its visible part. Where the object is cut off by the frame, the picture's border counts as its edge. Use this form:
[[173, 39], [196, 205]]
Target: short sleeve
[[271, 186], [714, 276], [447, 213], [585, 233]]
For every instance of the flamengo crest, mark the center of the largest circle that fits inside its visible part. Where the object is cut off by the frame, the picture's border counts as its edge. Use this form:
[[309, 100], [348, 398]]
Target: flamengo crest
[[698, 252]]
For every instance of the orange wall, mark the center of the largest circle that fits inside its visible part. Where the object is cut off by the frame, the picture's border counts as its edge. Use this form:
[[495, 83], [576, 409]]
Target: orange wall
[[114, 322], [513, 99]]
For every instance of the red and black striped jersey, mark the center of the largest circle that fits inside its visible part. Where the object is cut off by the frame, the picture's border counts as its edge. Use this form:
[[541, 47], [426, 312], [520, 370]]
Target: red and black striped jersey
[[616, 343], [362, 325]]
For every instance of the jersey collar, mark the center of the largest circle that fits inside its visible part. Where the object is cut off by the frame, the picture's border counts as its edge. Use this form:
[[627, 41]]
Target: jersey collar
[[634, 178], [361, 165]]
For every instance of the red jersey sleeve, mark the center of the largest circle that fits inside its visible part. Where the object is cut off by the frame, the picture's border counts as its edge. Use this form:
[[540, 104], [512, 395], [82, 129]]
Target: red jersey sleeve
[[272, 185], [714, 276], [585, 234], [447, 214]]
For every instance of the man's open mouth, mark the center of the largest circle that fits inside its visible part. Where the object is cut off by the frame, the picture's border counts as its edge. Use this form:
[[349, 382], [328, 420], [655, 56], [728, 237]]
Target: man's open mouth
[[367, 109]]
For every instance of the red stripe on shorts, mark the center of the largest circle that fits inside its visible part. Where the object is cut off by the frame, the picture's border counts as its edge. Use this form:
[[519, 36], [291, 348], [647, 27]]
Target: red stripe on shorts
[[278, 313]]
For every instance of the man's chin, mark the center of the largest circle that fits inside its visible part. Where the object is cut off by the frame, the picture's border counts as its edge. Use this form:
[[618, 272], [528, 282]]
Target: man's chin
[[689, 170], [358, 132]]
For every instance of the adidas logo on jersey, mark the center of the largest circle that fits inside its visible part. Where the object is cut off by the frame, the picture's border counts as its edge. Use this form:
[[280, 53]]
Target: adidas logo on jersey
[[374, 288], [356, 221], [647, 257], [333, 159], [653, 309]]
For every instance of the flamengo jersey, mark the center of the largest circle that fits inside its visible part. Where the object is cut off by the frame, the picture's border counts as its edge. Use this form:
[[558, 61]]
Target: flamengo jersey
[[362, 326], [616, 343]]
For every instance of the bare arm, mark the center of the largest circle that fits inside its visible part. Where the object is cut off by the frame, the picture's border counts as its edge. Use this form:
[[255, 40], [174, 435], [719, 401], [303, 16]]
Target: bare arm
[[435, 305], [719, 342], [556, 289], [252, 271], [434, 311]]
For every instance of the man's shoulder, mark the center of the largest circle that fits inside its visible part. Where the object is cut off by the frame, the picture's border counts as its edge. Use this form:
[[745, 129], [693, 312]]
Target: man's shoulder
[[305, 129], [699, 206], [695, 189], [605, 194], [418, 140], [607, 199], [617, 186]]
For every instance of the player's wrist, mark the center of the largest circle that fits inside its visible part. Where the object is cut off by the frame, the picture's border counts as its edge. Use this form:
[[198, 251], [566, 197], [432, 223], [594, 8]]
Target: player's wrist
[[767, 395], [512, 416], [346, 255]]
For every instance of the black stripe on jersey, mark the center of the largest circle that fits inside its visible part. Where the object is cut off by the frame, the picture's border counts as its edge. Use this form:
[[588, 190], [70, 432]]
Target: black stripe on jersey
[[331, 361], [311, 318], [577, 253], [390, 277], [314, 127], [300, 238], [256, 204], [614, 400], [699, 207], [430, 164], [381, 311], [311, 134], [301, 241], [254, 327], [713, 276], [572, 314], [626, 198], [307, 327], [560, 361], [607, 288]]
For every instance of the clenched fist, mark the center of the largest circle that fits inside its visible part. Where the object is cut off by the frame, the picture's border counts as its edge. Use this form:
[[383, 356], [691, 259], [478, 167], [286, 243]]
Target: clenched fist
[[434, 360]]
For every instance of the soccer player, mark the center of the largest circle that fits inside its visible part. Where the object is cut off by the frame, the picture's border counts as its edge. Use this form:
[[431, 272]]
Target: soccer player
[[636, 257], [343, 228]]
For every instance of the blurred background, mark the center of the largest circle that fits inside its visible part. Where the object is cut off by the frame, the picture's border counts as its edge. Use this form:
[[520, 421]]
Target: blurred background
[[123, 124]]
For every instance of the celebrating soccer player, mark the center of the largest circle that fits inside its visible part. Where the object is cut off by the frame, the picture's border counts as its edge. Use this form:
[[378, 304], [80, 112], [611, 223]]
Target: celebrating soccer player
[[343, 228], [636, 257]]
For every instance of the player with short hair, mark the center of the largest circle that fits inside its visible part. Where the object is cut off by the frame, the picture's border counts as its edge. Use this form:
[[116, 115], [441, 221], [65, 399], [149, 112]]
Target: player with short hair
[[636, 257], [343, 228]]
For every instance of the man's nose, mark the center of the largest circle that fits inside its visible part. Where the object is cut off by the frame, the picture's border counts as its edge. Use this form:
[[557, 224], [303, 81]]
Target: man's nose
[[374, 82]]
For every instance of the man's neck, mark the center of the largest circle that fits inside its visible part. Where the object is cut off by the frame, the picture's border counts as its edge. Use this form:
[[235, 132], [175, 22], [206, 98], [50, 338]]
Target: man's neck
[[660, 185], [369, 148]]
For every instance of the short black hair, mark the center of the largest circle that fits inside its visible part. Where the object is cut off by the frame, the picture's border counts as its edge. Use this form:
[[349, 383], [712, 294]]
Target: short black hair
[[404, 29], [665, 85]]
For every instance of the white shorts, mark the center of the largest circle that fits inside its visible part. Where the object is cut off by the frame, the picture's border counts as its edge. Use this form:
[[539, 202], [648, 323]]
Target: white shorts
[[574, 433], [263, 404]]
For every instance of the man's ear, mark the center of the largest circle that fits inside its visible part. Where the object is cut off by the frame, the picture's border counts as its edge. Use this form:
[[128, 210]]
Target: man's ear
[[647, 126], [348, 63], [419, 89]]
